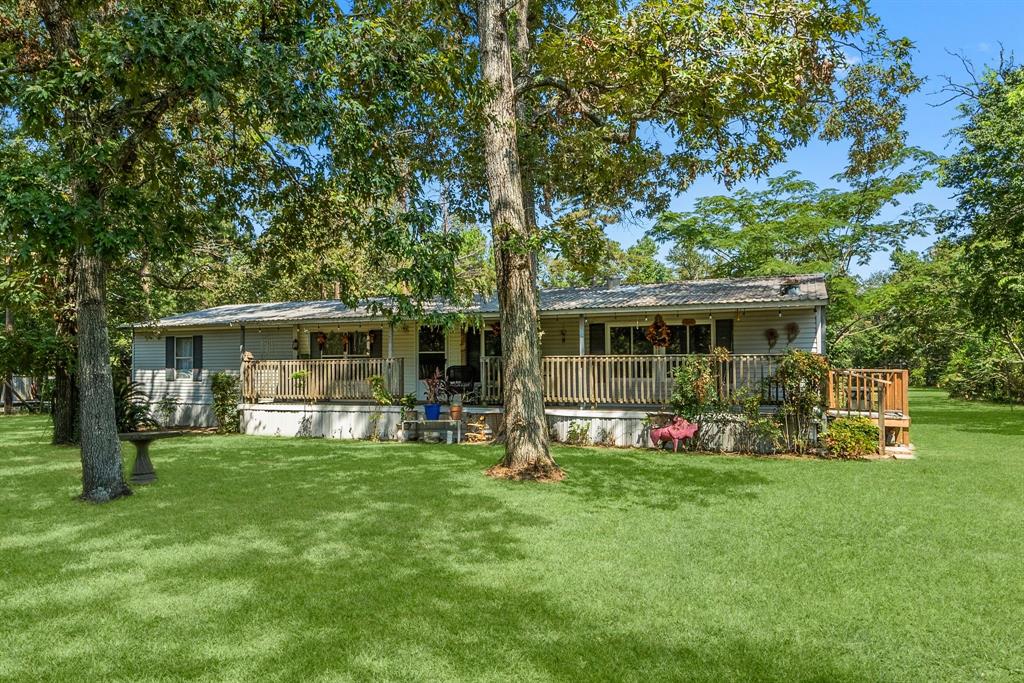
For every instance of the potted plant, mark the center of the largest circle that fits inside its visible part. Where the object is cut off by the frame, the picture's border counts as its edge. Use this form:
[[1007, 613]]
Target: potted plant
[[435, 387], [455, 407], [408, 403]]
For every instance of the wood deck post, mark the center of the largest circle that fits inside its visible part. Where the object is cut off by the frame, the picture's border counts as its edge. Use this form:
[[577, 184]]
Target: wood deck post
[[881, 419]]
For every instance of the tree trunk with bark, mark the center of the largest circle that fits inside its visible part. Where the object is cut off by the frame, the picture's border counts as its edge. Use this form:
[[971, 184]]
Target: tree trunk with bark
[[8, 388], [65, 386], [102, 473], [65, 405], [526, 431]]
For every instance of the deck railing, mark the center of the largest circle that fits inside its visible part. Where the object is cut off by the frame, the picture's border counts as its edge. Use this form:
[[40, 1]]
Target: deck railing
[[862, 390], [333, 379], [632, 380]]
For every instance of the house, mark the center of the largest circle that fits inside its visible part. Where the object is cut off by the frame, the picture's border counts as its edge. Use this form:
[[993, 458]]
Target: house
[[598, 363]]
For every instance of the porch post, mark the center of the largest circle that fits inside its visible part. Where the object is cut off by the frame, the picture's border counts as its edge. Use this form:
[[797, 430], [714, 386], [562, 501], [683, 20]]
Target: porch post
[[391, 340], [583, 352]]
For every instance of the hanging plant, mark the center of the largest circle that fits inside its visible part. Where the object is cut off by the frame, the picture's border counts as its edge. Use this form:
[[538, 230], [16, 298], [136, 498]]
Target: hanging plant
[[772, 335], [321, 341], [792, 332], [659, 333], [496, 328], [345, 342]]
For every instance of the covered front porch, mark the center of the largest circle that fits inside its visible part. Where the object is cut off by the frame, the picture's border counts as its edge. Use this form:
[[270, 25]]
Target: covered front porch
[[595, 380]]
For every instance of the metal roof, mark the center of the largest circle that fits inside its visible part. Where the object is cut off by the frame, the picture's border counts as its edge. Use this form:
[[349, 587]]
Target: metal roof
[[726, 292]]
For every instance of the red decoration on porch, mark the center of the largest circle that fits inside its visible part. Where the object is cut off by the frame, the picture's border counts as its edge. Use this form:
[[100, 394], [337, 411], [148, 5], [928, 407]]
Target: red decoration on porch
[[321, 341], [658, 332], [679, 430]]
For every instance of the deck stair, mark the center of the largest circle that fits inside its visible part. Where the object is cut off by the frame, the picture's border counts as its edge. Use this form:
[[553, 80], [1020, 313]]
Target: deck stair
[[879, 394]]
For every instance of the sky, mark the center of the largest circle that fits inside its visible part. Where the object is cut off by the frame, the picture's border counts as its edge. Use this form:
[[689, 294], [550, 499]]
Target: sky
[[973, 28]]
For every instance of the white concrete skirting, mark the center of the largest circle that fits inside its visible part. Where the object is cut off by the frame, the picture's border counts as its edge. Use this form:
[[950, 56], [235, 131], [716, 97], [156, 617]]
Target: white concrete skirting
[[336, 421]]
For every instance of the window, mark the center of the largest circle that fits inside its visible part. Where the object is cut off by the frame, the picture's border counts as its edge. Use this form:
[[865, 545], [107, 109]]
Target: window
[[630, 341], [700, 339], [431, 351], [340, 344], [183, 357]]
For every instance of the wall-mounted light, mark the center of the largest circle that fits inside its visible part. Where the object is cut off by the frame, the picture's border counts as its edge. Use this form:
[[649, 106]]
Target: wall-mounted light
[[780, 312], [295, 344]]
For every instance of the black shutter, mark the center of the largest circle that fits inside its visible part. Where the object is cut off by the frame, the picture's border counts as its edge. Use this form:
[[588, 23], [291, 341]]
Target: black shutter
[[723, 333], [169, 372], [597, 339], [197, 358], [314, 348], [376, 343]]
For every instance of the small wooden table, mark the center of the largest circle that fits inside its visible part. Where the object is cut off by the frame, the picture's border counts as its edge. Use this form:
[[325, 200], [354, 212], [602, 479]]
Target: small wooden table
[[142, 468]]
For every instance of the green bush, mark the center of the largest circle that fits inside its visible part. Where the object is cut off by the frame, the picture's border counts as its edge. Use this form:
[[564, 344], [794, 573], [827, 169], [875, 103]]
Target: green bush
[[131, 404], [224, 386], [802, 376], [851, 437], [379, 390], [578, 433], [695, 392]]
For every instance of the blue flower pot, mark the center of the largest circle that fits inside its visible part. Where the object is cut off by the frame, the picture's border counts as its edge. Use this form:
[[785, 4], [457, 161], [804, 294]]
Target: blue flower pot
[[432, 411]]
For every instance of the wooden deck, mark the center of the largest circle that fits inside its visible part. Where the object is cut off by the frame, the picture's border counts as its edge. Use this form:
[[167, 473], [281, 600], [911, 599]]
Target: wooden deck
[[880, 394]]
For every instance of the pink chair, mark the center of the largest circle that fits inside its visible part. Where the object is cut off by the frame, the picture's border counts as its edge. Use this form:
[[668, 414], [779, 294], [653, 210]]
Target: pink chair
[[678, 430]]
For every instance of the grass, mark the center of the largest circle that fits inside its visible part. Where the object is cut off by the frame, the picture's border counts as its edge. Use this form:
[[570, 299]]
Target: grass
[[285, 559]]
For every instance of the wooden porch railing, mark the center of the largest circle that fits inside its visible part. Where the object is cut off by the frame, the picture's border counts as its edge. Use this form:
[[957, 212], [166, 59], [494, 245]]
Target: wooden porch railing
[[334, 379], [630, 380], [860, 391]]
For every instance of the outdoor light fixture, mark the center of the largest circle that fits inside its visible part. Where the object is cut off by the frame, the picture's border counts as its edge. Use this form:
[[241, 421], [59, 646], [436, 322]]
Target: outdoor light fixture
[[295, 344]]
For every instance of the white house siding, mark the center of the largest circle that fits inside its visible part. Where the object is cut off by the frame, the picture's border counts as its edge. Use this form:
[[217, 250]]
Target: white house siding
[[220, 354], [748, 331]]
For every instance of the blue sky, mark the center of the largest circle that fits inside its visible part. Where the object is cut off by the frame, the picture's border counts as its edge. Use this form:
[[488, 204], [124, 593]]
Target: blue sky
[[974, 28]]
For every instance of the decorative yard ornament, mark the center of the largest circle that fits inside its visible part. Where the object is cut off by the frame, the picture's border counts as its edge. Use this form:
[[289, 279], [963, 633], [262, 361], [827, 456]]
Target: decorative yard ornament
[[678, 430], [772, 335], [792, 332], [659, 333]]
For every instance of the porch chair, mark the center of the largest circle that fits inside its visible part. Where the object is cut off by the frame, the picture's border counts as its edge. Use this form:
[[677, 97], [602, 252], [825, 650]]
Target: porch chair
[[463, 380]]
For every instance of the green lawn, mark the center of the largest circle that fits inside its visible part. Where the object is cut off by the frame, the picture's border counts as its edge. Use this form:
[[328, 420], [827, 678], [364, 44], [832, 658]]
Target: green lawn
[[261, 558]]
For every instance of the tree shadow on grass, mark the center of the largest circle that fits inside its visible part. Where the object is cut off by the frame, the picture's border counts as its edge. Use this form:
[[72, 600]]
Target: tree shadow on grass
[[624, 479], [303, 560]]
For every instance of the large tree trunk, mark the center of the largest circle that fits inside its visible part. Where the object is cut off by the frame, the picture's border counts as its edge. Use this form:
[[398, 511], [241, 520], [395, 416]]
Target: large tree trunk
[[526, 433], [65, 405], [8, 387], [65, 386], [102, 475]]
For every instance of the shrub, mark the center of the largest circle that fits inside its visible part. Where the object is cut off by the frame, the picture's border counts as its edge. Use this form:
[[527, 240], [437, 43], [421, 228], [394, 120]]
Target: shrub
[[851, 437], [802, 376], [578, 434], [166, 408], [695, 392], [224, 386], [379, 390], [131, 405]]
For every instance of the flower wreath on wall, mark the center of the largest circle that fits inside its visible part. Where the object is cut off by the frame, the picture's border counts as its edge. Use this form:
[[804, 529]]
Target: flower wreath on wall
[[659, 333]]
